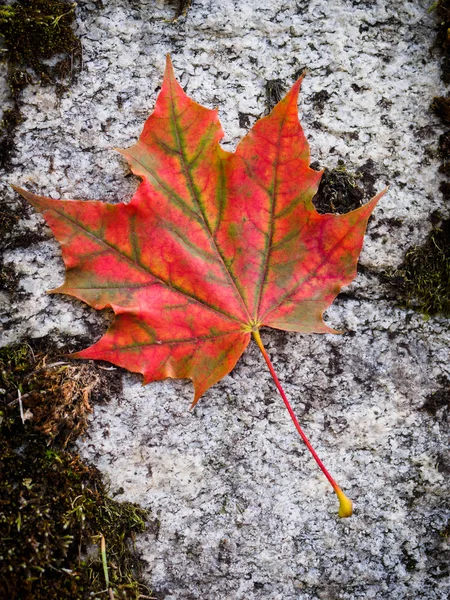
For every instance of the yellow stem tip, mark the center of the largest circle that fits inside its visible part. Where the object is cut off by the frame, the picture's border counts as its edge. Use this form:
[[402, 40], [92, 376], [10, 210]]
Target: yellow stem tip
[[345, 505]]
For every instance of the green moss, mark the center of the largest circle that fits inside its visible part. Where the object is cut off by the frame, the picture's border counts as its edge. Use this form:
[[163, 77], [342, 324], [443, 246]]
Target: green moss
[[35, 30], [54, 509], [423, 280]]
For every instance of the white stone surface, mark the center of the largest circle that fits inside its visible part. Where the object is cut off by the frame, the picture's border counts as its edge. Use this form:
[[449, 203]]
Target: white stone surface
[[244, 513]]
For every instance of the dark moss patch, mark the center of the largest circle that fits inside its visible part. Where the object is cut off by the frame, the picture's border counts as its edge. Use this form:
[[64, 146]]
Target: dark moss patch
[[438, 399], [408, 559], [274, 89], [442, 40], [33, 32], [338, 191], [9, 279], [441, 107], [423, 279], [319, 99], [444, 188], [181, 8], [244, 120], [11, 119], [444, 152], [54, 509]]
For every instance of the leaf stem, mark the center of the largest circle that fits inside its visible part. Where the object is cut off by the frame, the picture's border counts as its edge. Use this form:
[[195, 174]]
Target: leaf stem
[[345, 504]]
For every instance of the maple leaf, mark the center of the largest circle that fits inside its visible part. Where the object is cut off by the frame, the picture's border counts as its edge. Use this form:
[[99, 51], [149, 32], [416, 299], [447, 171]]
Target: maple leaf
[[213, 246]]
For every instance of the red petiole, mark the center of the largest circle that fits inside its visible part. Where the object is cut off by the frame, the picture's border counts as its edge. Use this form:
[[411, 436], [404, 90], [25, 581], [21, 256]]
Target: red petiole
[[345, 504]]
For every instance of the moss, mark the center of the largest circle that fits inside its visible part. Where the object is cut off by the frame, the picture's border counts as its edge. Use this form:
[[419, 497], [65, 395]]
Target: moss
[[319, 100], [442, 8], [440, 399], [423, 280], [11, 119], [9, 279], [444, 152], [338, 191], [33, 31], [441, 107], [182, 8], [54, 509], [274, 92]]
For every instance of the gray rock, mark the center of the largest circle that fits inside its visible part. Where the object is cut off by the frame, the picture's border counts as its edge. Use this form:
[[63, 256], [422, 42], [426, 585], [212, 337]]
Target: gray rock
[[244, 513]]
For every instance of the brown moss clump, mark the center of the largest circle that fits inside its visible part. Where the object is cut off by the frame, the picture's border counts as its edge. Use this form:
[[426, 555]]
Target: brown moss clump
[[423, 280], [54, 509], [53, 395]]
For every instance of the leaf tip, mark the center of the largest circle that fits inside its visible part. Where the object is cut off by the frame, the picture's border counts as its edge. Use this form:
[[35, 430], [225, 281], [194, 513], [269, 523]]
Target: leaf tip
[[374, 201], [197, 397], [23, 192], [29, 196], [301, 78], [169, 67]]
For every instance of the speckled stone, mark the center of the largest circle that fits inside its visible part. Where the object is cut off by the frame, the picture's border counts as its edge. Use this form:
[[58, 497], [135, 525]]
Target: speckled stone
[[240, 511]]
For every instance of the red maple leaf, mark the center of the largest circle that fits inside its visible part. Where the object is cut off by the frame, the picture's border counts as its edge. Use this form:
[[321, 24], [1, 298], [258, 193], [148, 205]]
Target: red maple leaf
[[213, 246]]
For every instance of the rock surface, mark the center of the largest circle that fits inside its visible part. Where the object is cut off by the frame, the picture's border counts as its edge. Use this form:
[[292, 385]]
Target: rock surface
[[240, 510]]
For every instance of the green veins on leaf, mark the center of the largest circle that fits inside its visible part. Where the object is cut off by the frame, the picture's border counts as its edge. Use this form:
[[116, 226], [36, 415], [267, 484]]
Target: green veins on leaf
[[213, 245]]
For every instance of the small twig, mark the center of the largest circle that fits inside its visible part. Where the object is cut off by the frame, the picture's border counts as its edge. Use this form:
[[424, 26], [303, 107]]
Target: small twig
[[56, 364], [16, 400], [32, 353], [19, 398]]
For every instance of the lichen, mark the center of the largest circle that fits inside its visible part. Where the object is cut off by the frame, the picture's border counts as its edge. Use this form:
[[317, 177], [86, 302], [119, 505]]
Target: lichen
[[54, 509], [423, 279]]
